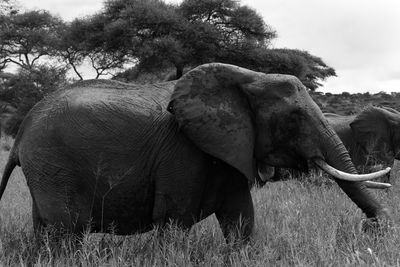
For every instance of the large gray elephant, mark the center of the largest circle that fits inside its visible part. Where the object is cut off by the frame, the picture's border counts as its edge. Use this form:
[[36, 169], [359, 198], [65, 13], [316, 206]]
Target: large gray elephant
[[110, 153]]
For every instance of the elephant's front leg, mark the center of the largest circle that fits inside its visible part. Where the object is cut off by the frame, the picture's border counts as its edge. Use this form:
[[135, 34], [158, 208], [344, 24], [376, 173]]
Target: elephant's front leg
[[236, 214]]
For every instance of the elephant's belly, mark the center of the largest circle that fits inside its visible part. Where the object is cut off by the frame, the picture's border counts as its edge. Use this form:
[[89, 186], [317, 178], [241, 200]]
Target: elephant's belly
[[125, 210], [69, 200]]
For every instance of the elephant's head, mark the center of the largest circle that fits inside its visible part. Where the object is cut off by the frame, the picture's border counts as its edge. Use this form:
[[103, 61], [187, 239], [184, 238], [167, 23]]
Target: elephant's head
[[377, 131], [241, 116]]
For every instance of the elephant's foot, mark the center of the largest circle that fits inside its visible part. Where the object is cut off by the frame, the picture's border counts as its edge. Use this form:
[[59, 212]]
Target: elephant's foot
[[378, 225], [236, 231], [38, 224]]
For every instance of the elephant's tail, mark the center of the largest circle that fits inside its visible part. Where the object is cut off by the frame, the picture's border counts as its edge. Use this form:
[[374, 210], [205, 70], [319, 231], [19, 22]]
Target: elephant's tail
[[11, 163], [13, 158]]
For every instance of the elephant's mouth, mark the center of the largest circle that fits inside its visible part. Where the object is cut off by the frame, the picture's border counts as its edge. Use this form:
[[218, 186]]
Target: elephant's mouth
[[286, 159]]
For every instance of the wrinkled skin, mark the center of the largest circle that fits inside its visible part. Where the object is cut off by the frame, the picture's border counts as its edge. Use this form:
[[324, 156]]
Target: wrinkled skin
[[372, 138], [109, 153]]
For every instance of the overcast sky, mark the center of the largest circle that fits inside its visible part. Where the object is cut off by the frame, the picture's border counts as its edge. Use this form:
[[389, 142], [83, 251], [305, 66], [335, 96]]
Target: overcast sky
[[360, 39]]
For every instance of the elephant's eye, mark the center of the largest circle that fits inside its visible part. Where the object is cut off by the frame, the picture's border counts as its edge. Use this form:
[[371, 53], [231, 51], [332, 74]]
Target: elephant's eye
[[170, 107], [295, 119], [286, 127]]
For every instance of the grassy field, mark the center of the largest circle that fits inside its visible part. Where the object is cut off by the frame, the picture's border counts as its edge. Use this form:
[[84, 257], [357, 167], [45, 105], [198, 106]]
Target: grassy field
[[297, 223]]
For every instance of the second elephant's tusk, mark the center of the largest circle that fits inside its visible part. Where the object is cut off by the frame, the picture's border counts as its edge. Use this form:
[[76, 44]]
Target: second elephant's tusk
[[377, 185], [348, 176]]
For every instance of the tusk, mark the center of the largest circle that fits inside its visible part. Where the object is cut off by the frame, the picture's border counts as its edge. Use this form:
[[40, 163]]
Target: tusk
[[348, 176], [377, 185]]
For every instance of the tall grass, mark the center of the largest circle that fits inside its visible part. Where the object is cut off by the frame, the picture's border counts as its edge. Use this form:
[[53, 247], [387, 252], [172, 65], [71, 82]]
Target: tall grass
[[303, 223]]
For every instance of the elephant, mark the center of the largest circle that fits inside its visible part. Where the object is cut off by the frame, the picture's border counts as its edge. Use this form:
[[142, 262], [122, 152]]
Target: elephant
[[372, 138], [101, 153]]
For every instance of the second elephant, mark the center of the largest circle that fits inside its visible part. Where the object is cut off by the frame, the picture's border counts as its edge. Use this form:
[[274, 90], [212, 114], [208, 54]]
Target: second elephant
[[372, 138]]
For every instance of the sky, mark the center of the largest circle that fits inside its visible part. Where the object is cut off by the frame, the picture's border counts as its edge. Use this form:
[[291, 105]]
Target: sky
[[360, 39]]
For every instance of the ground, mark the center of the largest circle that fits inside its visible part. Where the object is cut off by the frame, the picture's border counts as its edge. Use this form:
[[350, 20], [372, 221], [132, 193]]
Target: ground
[[307, 222]]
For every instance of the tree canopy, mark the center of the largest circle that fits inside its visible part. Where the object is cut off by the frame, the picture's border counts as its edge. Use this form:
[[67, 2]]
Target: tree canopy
[[160, 35], [152, 35], [8, 7], [311, 70], [86, 39], [27, 37], [26, 87]]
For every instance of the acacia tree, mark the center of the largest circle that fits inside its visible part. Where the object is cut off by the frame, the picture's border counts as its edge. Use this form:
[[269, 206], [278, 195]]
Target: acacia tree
[[156, 36], [308, 68], [86, 39], [145, 30], [234, 23], [27, 40], [7, 7], [27, 37], [26, 87], [159, 35]]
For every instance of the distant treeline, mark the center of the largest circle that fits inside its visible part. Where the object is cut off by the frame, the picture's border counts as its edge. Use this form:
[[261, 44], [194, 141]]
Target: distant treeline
[[346, 103]]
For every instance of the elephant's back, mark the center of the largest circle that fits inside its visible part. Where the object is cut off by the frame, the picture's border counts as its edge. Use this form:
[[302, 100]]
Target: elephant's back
[[93, 93], [111, 127], [100, 116]]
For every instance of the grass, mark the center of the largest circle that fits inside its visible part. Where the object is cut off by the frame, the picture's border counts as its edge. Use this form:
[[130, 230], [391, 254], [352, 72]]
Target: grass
[[301, 223]]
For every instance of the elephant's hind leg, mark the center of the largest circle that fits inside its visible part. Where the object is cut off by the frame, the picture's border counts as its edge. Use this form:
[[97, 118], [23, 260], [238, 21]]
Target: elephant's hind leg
[[38, 224], [63, 213], [236, 214], [59, 222]]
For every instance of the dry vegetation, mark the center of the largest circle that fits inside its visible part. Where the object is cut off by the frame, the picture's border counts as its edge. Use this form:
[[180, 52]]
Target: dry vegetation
[[304, 223], [346, 103]]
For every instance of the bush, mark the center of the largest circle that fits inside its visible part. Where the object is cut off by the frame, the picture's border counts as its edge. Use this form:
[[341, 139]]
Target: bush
[[27, 87]]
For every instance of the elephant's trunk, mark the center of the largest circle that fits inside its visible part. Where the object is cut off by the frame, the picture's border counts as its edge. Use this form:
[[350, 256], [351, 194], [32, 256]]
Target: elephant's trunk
[[337, 156]]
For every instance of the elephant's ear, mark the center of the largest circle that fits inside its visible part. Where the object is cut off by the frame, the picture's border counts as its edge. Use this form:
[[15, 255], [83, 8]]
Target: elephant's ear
[[213, 111], [370, 126]]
